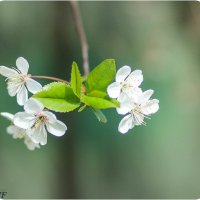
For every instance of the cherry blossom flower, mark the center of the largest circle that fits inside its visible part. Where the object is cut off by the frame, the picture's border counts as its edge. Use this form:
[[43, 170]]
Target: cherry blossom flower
[[125, 82], [38, 121], [137, 106], [19, 133], [18, 81]]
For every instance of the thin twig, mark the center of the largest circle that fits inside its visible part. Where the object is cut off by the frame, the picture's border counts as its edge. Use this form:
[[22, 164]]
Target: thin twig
[[81, 33], [50, 78]]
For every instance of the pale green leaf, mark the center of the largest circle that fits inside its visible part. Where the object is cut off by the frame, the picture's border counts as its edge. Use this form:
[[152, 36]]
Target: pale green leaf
[[97, 93], [76, 81], [82, 108], [100, 116], [99, 103], [58, 97]]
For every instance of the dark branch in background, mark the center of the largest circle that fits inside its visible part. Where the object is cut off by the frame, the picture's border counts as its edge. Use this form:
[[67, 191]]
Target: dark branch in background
[[81, 33]]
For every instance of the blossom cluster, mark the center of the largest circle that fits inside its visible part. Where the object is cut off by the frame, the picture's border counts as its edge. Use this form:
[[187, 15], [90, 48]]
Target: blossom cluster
[[93, 91], [134, 103], [32, 124]]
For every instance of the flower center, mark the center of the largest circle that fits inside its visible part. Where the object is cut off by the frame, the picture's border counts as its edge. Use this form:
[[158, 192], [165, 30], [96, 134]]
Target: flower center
[[40, 119]]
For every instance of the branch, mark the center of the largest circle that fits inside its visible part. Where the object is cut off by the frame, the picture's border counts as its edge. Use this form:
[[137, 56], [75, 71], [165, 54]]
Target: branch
[[50, 78], [81, 33]]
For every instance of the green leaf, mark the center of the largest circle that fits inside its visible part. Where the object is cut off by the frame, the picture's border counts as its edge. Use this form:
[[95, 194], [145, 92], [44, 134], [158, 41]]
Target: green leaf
[[82, 108], [76, 81], [97, 93], [100, 116], [58, 97], [99, 103], [101, 76]]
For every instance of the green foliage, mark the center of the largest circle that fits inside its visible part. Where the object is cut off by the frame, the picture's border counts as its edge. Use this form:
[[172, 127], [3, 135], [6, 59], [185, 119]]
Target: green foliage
[[76, 81], [99, 103], [58, 97], [100, 116], [101, 76]]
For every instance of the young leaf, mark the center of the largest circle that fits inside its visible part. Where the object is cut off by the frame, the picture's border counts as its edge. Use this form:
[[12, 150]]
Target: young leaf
[[99, 103], [76, 80], [58, 97], [100, 116], [97, 93], [82, 108], [101, 76]]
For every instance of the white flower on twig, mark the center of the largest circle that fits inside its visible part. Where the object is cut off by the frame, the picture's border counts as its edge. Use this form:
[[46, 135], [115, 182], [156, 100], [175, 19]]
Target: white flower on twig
[[38, 121], [19, 133], [125, 81], [18, 81], [138, 106]]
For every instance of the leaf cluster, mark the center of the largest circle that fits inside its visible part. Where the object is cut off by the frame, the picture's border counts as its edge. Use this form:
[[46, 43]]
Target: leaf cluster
[[82, 91]]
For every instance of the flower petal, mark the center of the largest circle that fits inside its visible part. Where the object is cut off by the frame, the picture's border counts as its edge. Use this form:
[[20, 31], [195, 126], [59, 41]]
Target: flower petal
[[151, 107], [134, 93], [33, 86], [24, 120], [38, 134], [30, 144], [135, 78], [125, 124], [7, 115], [126, 104], [114, 89], [13, 89], [122, 73], [22, 96], [15, 131], [33, 106], [7, 72], [51, 117], [145, 96], [57, 128], [22, 65]]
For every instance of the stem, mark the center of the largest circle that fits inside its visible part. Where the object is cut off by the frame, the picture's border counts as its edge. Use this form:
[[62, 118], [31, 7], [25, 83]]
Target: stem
[[81, 33], [50, 78]]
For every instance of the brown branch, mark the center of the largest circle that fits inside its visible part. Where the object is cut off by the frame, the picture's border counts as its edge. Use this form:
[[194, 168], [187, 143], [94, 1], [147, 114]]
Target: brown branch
[[81, 33], [50, 78]]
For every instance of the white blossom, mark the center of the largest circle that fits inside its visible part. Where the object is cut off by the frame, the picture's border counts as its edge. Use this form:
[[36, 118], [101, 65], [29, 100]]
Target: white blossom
[[18, 80], [19, 133], [38, 121], [137, 106], [125, 82]]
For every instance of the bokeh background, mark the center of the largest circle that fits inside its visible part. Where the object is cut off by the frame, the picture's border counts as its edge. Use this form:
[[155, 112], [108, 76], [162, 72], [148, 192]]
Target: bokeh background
[[93, 160]]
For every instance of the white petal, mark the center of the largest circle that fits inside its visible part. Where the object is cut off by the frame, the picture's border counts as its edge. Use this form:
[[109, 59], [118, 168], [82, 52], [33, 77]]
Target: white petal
[[33, 106], [22, 65], [126, 104], [51, 117], [151, 107], [145, 96], [122, 73], [30, 144], [57, 128], [16, 132], [13, 89], [125, 124], [22, 96], [114, 89], [133, 93], [33, 86], [7, 72], [24, 120], [135, 78], [38, 135], [8, 116]]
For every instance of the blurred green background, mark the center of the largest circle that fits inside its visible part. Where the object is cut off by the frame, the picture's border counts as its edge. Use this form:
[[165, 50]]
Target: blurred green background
[[93, 160]]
